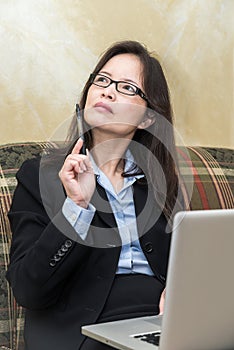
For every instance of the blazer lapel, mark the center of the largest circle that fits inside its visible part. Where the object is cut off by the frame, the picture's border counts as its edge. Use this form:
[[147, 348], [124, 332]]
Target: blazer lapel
[[101, 203], [147, 210], [103, 230]]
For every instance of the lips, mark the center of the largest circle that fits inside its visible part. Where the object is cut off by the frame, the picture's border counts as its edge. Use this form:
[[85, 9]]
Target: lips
[[104, 106]]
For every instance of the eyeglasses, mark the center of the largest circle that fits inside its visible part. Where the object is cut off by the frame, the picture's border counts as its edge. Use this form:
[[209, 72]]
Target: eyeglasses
[[121, 86]]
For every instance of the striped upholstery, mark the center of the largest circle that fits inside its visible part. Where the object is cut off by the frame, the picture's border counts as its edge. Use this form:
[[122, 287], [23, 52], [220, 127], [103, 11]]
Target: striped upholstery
[[11, 315], [213, 176], [212, 183]]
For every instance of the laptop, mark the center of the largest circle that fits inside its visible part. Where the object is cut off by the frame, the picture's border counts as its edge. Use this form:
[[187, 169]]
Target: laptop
[[199, 304]]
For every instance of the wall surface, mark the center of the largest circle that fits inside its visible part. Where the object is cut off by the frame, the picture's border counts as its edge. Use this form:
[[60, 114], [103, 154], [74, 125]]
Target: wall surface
[[49, 47]]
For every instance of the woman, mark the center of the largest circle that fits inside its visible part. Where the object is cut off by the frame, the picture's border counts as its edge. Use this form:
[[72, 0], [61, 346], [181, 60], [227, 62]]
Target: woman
[[90, 231]]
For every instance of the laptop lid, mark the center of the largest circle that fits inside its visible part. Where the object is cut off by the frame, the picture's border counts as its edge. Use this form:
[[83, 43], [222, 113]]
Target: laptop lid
[[199, 307], [199, 311]]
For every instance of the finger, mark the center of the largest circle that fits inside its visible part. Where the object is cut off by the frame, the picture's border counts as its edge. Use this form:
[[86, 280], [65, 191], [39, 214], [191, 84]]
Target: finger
[[82, 166], [73, 165], [68, 171], [77, 147], [80, 159], [162, 302], [88, 162], [161, 307], [79, 163], [88, 159]]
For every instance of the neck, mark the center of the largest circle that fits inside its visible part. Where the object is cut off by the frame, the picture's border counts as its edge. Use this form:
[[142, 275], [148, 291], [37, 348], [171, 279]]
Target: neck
[[108, 154]]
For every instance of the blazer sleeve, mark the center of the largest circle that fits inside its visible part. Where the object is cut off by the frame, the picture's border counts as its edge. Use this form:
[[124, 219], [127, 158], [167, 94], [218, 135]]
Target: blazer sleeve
[[45, 248]]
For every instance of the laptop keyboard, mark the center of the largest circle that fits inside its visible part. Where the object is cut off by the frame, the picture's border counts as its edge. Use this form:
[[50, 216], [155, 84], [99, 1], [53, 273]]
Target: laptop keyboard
[[152, 338]]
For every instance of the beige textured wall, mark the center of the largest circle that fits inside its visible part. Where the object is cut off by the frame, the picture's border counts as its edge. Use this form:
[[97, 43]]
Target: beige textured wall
[[49, 47]]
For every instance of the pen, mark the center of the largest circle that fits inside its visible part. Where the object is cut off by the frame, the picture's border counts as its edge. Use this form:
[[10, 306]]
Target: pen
[[80, 128]]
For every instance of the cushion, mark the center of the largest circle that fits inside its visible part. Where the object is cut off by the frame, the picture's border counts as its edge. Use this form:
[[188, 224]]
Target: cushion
[[213, 177], [11, 315], [212, 187]]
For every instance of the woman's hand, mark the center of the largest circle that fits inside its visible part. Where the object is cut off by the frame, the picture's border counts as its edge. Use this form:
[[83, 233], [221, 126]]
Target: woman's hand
[[162, 302], [77, 176]]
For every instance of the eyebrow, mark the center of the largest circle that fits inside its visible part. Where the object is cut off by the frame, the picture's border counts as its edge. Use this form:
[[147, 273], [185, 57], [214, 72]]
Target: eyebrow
[[127, 80]]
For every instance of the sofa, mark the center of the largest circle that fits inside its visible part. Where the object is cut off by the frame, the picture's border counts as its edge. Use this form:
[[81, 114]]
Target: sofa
[[212, 170]]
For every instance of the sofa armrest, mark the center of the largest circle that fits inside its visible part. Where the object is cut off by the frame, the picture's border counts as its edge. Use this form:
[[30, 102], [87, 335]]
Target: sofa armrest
[[11, 314]]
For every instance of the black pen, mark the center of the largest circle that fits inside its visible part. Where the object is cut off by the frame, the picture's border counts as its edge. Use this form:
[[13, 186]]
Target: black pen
[[80, 128]]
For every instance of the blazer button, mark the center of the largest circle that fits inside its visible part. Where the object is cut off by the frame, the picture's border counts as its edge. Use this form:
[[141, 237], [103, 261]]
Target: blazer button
[[148, 247], [60, 252], [64, 249], [162, 278], [68, 243], [57, 257], [52, 262]]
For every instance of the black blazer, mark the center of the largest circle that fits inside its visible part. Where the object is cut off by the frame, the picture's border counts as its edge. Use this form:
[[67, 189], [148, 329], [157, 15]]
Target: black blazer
[[62, 281]]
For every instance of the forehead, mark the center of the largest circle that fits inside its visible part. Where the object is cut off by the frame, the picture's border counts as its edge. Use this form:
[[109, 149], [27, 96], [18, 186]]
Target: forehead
[[124, 66]]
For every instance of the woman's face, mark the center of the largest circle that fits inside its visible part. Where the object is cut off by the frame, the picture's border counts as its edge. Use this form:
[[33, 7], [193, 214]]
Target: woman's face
[[109, 110]]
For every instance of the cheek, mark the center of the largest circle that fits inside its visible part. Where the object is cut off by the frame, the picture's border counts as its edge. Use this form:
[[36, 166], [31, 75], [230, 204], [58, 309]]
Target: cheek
[[90, 116], [92, 96], [132, 113], [89, 98]]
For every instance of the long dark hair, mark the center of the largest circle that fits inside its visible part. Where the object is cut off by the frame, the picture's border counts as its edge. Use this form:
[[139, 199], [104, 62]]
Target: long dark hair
[[158, 139]]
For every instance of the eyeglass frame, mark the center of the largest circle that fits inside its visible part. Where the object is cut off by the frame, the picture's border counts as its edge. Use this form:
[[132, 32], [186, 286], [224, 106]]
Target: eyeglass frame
[[138, 91]]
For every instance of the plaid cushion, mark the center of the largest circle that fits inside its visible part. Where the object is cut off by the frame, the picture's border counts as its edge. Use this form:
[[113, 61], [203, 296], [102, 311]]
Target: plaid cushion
[[213, 177], [212, 188], [11, 314]]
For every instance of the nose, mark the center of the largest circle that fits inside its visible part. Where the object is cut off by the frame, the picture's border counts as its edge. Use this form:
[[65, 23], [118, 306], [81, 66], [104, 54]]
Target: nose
[[109, 92]]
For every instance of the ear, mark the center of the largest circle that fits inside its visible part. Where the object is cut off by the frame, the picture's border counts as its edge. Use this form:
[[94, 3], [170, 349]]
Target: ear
[[146, 123]]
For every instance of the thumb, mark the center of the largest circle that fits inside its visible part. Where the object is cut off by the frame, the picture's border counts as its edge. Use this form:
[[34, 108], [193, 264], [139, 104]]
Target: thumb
[[78, 146]]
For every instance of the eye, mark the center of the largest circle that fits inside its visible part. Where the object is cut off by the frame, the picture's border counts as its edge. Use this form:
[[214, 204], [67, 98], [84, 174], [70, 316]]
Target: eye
[[128, 87], [101, 79]]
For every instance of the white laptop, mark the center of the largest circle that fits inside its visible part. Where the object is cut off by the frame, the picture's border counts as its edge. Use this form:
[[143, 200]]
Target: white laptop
[[199, 306]]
